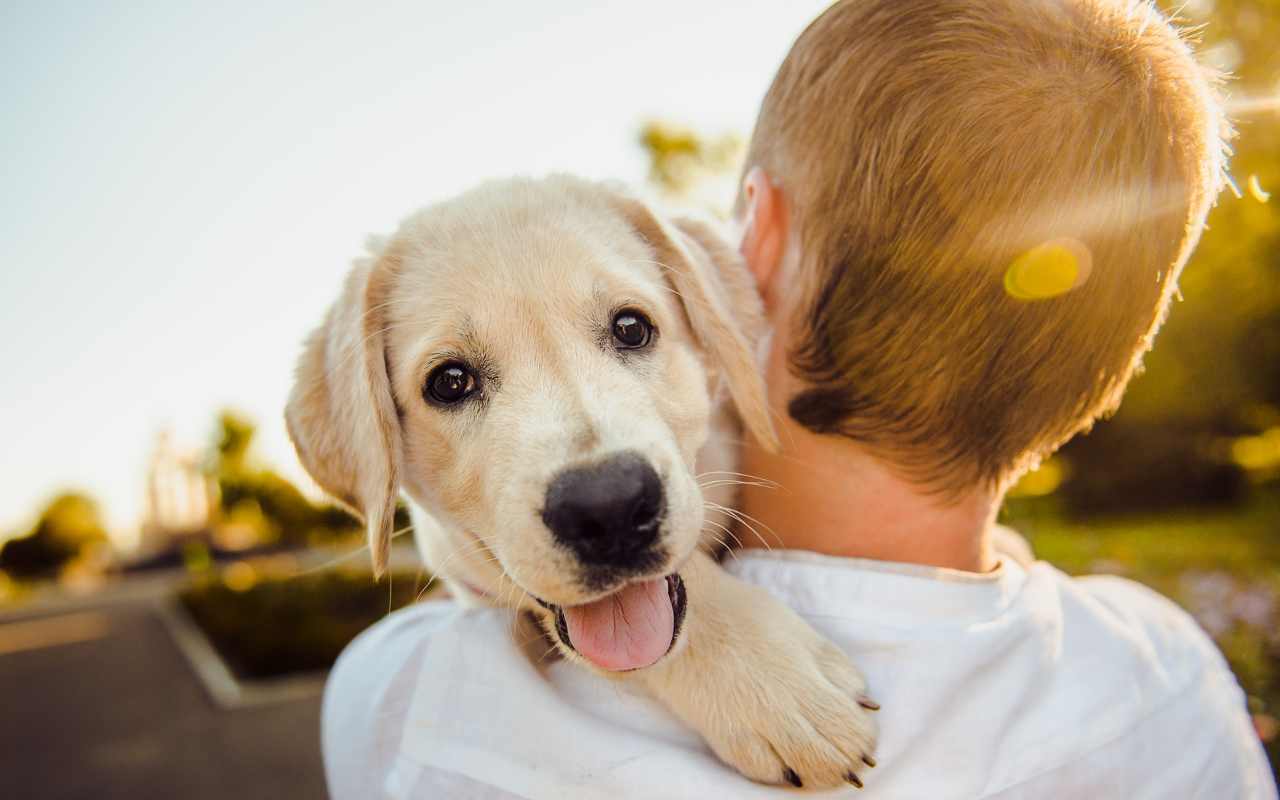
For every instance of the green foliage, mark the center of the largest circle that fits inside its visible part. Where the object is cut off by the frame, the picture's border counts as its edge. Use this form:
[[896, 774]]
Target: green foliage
[[298, 624], [1215, 369], [234, 435], [1135, 466], [1217, 357], [264, 499], [67, 527], [681, 159]]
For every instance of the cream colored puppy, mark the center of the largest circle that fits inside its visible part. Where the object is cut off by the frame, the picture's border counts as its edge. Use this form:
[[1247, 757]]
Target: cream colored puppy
[[544, 369]]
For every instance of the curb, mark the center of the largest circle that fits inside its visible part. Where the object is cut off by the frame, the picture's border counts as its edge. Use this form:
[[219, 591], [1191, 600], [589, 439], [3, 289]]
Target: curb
[[224, 689]]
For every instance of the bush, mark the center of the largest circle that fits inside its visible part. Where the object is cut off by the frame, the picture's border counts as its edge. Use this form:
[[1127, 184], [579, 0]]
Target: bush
[[1146, 468], [68, 526], [275, 627]]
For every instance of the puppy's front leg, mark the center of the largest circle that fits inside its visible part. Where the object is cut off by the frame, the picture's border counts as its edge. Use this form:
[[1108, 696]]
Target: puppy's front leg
[[770, 696]]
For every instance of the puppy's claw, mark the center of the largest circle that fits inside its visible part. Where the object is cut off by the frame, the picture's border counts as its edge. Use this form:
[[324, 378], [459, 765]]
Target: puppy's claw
[[797, 693], [868, 703], [853, 779], [869, 761]]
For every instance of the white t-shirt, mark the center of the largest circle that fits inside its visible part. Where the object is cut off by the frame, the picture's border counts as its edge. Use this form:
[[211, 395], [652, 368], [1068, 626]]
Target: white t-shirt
[[1020, 683]]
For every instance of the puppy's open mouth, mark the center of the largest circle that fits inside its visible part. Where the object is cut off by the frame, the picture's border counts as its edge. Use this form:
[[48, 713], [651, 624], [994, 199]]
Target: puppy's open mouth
[[628, 629]]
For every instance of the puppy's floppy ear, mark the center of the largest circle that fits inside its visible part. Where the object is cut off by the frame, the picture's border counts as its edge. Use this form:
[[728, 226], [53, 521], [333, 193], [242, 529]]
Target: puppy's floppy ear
[[720, 300], [341, 415]]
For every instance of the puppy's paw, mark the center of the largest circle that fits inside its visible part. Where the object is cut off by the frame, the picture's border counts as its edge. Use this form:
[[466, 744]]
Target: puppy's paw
[[800, 718], [773, 698]]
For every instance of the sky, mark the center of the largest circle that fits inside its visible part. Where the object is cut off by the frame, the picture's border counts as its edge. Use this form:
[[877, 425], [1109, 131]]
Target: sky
[[185, 184]]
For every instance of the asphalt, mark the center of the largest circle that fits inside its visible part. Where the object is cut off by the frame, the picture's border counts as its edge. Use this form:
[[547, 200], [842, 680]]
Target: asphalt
[[101, 704]]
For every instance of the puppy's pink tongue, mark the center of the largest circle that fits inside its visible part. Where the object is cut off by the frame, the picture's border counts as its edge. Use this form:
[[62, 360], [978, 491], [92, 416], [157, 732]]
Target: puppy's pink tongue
[[629, 629]]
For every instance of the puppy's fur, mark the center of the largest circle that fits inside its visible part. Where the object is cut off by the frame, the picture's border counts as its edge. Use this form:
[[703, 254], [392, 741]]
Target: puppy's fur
[[520, 280]]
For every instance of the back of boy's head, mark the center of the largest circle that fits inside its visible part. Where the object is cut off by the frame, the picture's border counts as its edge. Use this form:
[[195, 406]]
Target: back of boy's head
[[949, 163]]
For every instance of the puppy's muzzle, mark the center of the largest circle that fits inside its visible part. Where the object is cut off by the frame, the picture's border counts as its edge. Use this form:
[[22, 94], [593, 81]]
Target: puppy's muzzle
[[609, 514]]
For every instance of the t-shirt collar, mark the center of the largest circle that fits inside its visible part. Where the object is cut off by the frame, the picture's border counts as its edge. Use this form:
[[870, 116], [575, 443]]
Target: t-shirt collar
[[883, 592]]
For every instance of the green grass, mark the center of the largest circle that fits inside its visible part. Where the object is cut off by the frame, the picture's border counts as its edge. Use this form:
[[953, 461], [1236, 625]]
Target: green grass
[[1222, 566], [1245, 542]]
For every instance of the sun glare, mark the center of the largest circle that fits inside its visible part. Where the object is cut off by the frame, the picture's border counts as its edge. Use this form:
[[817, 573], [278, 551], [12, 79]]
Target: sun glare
[[1048, 270]]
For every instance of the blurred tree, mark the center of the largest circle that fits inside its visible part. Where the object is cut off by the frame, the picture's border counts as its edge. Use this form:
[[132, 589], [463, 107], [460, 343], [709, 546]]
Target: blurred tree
[[1214, 374], [262, 500], [1218, 358], [235, 434], [689, 168], [67, 527]]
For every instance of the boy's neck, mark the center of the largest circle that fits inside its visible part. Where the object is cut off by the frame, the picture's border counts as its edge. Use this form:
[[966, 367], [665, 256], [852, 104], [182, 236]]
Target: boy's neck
[[834, 498]]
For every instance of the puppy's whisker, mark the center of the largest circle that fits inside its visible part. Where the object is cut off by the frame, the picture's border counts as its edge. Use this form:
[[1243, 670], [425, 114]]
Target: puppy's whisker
[[695, 301], [727, 530], [798, 461], [743, 480], [747, 520], [714, 484], [417, 578], [508, 593], [356, 348], [746, 475], [341, 558], [465, 550], [720, 539], [552, 648], [691, 301], [373, 309], [515, 612]]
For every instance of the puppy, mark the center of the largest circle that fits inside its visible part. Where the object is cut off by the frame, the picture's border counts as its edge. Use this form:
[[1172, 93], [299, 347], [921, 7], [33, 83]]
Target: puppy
[[556, 376]]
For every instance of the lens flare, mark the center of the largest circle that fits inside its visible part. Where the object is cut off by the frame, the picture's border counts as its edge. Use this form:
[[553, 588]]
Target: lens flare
[[1048, 270], [1255, 189], [239, 577], [1249, 105]]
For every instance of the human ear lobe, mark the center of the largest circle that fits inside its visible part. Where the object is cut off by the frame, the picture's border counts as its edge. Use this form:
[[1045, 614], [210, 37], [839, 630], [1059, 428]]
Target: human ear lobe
[[764, 237]]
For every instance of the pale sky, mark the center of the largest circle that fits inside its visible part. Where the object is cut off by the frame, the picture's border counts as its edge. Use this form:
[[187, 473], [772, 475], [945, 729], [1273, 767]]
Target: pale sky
[[186, 183]]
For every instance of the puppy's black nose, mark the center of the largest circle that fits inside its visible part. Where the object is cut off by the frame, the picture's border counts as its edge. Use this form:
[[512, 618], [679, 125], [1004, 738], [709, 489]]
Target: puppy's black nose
[[607, 513]]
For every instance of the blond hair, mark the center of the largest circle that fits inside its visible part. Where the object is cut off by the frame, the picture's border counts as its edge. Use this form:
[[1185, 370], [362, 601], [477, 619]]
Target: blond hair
[[923, 146]]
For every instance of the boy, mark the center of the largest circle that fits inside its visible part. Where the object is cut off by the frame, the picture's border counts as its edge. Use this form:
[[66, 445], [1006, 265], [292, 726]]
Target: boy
[[966, 218]]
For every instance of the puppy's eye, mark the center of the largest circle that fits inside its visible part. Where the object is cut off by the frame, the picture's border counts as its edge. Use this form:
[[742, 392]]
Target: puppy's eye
[[450, 383], [632, 330]]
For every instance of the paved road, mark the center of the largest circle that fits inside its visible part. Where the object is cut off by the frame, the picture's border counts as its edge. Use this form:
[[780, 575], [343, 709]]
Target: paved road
[[103, 705]]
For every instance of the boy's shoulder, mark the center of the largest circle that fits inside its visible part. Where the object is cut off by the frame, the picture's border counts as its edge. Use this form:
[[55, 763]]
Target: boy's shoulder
[[1143, 621], [1078, 685], [1135, 676], [1118, 642]]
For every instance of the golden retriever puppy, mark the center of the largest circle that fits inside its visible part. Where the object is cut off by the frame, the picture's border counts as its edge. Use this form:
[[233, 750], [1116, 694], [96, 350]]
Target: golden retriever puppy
[[555, 376]]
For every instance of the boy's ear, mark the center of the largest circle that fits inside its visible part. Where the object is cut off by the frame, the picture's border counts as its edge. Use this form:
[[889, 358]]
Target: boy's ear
[[341, 415], [720, 302], [765, 229]]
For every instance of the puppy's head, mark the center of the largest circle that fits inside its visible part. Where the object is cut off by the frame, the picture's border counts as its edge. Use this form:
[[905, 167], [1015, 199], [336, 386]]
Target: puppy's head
[[535, 363]]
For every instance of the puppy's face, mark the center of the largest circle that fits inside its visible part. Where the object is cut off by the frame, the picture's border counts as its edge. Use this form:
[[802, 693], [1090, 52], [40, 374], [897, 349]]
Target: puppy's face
[[551, 394], [534, 364]]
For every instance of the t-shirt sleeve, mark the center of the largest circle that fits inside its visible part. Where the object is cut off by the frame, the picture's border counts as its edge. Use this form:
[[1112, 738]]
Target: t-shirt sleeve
[[1207, 726], [367, 696]]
